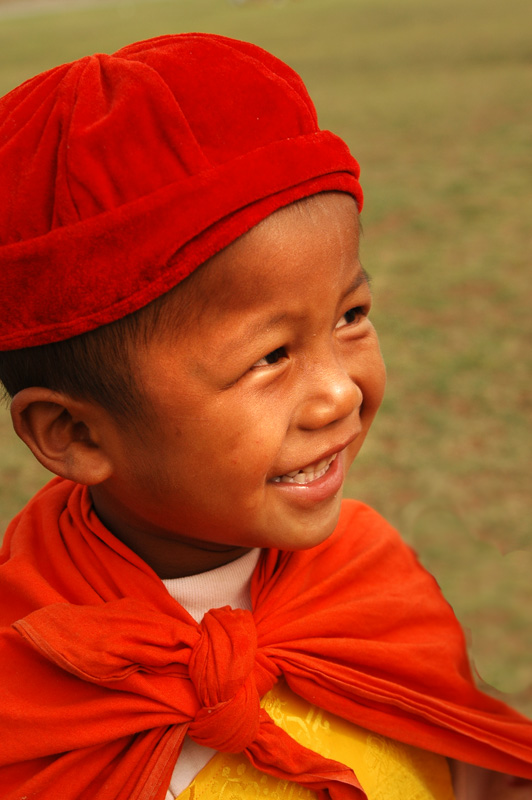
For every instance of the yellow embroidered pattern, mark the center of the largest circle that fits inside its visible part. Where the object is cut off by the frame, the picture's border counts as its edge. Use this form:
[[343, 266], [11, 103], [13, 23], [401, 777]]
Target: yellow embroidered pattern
[[386, 769]]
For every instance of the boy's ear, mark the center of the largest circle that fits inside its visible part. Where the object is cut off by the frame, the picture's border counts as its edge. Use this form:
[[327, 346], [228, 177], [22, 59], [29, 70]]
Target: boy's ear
[[64, 434]]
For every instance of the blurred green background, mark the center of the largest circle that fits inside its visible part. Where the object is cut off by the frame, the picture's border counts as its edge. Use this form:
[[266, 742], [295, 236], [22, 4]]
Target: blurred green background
[[434, 99]]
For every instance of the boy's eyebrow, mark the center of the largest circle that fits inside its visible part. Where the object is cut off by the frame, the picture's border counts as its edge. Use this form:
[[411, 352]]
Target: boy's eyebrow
[[361, 278], [258, 328]]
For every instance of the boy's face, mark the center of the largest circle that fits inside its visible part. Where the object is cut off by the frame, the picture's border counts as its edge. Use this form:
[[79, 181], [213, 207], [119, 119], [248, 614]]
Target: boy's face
[[258, 401]]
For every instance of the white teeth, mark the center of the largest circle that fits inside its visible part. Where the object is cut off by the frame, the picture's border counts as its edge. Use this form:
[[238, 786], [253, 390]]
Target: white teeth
[[307, 474]]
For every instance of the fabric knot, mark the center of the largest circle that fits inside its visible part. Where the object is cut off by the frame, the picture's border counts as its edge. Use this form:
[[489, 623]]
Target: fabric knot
[[221, 668]]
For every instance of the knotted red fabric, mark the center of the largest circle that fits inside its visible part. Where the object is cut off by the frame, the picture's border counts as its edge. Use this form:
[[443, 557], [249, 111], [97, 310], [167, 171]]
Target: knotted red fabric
[[122, 173], [221, 668], [103, 672]]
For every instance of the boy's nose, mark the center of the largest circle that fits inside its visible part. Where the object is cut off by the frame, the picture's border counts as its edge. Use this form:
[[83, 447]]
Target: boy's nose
[[331, 394]]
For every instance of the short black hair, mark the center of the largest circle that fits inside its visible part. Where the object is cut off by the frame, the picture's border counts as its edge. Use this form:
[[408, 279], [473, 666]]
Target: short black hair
[[95, 365]]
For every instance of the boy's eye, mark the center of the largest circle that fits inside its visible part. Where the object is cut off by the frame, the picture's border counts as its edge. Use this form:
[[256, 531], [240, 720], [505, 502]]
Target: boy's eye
[[351, 317], [271, 358]]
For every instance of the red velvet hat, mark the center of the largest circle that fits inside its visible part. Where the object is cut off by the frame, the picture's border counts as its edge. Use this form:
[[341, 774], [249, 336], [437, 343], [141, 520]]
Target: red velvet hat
[[121, 174]]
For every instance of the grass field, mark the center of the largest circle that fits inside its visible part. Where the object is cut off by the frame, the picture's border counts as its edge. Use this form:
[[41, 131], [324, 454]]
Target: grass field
[[433, 97]]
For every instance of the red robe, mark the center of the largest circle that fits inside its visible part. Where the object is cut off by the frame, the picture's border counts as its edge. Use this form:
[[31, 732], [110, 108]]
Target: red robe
[[102, 672]]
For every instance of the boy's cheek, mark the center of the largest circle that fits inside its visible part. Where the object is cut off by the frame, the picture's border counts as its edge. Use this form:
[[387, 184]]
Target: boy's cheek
[[383, 379], [353, 450], [373, 387]]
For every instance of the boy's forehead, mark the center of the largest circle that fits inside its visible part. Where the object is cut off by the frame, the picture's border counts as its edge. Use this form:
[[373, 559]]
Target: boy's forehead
[[257, 267]]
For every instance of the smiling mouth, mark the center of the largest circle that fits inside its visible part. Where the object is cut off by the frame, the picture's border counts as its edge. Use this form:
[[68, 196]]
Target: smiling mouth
[[307, 474]]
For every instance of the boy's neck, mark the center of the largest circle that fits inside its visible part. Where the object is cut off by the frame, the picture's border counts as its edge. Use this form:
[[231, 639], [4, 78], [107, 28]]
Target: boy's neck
[[167, 557]]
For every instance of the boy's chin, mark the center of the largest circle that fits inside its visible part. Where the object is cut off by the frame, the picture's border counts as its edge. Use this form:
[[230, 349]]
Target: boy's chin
[[313, 528]]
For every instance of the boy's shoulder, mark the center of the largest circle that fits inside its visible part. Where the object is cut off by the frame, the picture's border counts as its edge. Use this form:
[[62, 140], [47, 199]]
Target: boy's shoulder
[[365, 564], [361, 530], [364, 517]]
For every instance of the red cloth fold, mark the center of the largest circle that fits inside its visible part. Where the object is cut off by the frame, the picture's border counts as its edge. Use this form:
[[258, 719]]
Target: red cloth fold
[[103, 672]]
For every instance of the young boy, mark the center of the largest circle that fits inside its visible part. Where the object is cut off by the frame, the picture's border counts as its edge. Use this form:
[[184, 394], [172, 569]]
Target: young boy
[[189, 609]]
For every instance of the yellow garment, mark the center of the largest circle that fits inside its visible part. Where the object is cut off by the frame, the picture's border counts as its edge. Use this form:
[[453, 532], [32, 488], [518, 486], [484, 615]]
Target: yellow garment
[[386, 769]]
